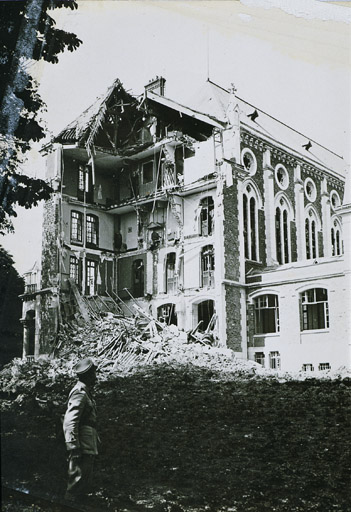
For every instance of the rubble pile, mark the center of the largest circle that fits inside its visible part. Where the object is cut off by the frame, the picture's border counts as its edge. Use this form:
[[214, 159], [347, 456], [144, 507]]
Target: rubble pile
[[123, 344]]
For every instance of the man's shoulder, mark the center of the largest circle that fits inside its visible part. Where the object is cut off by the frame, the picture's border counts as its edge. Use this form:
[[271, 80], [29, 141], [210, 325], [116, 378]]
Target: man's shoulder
[[78, 389]]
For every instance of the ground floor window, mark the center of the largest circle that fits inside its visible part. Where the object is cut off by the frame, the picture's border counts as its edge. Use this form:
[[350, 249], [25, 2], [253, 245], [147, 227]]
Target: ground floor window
[[138, 278], [324, 366], [315, 310], [74, 272], [307, 367], [205, 312], [166, 314], [259, 358], [91, 270], [266, 314], [274, 360]]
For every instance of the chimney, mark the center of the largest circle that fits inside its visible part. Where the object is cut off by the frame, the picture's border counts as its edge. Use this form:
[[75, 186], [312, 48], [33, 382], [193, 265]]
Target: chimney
[[156, 85]]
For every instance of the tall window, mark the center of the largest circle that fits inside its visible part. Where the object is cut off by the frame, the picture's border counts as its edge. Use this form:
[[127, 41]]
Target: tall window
[[91, 274], [207, 266], [282, 232], [336, 241], [92, 226], [138, 278], [76, 227], [314, 309], [311, 235], [266, 314], [250, 216], [74, 270], [171, 277], [206, 216]]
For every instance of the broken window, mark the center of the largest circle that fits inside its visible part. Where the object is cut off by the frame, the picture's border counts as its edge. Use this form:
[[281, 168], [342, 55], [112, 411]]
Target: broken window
[[205, 312], [166, 314], [148, 172], [315, 310], [250, 217], [92, 227], [171, 275], [91, 274], [76, 227], [74, 270], [266, 314], [138, 278], [84, 183], [207, 266], [206, 216], [274, 360]]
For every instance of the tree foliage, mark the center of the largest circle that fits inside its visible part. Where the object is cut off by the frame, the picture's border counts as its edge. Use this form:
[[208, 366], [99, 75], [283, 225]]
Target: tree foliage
[[11, 286], [27, 32]]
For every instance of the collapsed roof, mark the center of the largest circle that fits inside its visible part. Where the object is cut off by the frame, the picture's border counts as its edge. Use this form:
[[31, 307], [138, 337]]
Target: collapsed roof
[[115, 119]]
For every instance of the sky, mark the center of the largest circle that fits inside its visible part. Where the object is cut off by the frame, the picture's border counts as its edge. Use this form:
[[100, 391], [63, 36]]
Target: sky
[[290, 59]]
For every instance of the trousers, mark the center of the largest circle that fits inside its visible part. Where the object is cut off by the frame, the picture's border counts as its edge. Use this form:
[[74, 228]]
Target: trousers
[[80, 475]]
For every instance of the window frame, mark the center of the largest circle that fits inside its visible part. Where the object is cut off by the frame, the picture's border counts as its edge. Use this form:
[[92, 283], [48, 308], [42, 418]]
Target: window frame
[[207, 265], [283, 230], [250, 223], [76, 276], [79, 227], [260, 317], [90, 264], [274, 356], [92, 234], [312, 311], [206, 227], [171, 277], [312, 228]]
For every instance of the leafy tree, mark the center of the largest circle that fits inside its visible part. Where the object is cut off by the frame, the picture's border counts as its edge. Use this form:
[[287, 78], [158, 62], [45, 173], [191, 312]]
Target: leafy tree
[[27, 32], [11, 331]]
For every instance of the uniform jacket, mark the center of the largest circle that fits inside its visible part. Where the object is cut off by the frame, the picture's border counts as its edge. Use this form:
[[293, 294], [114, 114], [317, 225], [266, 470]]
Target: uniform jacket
[[79, 424]]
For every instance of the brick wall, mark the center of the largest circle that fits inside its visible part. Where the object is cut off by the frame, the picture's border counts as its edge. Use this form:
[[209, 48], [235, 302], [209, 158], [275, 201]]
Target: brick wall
[[49, 258]]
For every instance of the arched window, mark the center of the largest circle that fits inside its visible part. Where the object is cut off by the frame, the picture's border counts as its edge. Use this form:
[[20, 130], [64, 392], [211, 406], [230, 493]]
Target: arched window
[[207, 266], [171, 275], [312, 226], [282, 231], [250, 217], [314, 309], [266, 314], [206, 216], [138, 278], [336, 239]]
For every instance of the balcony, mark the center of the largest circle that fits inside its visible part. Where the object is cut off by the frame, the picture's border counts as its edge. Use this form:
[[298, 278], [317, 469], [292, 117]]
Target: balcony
[[30, 288]]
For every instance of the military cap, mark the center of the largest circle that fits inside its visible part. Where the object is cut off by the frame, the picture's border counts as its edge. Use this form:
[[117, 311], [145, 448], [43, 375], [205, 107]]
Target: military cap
[[84, 366]]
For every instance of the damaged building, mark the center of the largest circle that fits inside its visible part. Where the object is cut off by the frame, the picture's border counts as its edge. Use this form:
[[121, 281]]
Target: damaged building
[[213, 216]]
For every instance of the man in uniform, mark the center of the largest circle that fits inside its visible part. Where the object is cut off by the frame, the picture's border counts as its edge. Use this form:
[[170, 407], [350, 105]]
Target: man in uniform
[[79, 426]]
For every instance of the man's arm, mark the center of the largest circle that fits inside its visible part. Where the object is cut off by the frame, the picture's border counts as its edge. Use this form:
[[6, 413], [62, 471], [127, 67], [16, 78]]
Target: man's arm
[[72, 418]]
